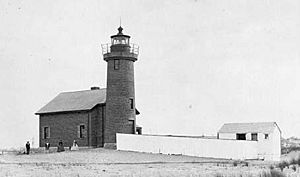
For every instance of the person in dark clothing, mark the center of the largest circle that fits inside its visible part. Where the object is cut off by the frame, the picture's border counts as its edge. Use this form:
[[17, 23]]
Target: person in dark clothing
[[60, 147], [27, 147]]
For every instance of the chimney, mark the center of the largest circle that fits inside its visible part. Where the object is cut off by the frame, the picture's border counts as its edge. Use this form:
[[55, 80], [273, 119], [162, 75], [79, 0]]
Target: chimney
[[95, 88]]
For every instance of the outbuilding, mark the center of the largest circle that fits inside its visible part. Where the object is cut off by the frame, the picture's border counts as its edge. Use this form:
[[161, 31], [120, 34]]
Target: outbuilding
[[267, 135]]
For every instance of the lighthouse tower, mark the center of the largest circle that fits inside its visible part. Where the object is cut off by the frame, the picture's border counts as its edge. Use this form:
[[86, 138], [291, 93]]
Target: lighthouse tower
[[120, 117]]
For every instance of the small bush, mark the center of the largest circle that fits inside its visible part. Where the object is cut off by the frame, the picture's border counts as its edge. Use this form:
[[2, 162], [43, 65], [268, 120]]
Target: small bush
[[294, 168], [297, 160], [293, 161], [283, 164], [275, 173], [235, 163], [271, 167]]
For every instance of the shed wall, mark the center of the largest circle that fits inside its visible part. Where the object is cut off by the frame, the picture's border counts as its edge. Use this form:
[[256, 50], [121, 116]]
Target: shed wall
[[268, 149]]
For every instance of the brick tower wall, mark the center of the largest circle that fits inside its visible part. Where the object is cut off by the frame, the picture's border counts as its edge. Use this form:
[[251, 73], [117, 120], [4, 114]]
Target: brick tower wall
[[120, 116]]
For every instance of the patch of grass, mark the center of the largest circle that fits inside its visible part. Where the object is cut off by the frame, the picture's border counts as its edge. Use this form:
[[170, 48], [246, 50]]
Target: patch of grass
[[284, 164], [295, 161], [286, 150], [264, 174], [271, 173], [219, 175]]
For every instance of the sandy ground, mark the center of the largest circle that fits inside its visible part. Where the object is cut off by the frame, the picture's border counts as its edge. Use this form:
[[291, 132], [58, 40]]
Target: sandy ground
[[103, 162]]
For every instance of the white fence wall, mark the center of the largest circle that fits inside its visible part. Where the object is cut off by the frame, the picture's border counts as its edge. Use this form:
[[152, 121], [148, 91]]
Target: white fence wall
[[201, 147]]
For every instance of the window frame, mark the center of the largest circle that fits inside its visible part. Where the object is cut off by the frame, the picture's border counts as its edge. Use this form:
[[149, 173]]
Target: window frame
[[116, 64], [238, 136], [46, 132], [266, 136], [254, 136], [131, 103], [81, 131]]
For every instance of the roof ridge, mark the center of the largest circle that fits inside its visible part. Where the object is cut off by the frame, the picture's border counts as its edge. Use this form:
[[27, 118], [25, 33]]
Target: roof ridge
[[248, 127], [82, 90], [74, 101], [249, 122]]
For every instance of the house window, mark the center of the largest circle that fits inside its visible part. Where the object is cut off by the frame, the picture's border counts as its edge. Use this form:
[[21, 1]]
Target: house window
[[131, 103], [46, 131], [266, 136], [241, 136], [254, 136], [81, 131], [116, 64]]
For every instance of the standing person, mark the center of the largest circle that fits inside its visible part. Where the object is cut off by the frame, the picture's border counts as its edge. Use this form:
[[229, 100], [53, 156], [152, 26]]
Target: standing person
[[75, 146], [47, 147], [27, 147], [60, 147]]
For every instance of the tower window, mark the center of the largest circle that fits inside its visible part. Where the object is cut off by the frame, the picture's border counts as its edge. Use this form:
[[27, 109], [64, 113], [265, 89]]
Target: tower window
[[131, 103], [81, 131], [46, 132], [116, 64]]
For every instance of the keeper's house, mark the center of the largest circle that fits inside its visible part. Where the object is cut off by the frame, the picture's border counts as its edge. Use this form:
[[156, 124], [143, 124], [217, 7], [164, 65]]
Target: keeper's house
[[77, 115], [267, 135]]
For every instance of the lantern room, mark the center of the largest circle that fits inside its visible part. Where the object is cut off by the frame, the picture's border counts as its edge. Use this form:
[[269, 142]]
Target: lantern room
[[120, 46], [120, 38]]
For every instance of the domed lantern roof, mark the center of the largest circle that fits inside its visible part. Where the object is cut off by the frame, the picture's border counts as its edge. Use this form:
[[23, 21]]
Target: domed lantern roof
[[120, 38]]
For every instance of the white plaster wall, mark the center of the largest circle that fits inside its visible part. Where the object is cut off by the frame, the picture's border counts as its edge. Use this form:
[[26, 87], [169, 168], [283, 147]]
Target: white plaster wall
[[231, 136], [270, 149], [215, 148], [276, 145]]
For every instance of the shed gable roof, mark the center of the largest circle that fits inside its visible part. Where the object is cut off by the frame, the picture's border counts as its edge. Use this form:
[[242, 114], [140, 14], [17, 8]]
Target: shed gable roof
[[74, 101], [255, 127]]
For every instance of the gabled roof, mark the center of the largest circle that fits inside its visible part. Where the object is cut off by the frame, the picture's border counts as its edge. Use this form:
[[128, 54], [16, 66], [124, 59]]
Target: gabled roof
[[254, 127], [74, 101]]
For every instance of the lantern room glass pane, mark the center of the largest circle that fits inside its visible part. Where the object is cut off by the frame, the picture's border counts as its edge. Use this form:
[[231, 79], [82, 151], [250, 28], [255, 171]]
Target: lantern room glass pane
[[120, 40]]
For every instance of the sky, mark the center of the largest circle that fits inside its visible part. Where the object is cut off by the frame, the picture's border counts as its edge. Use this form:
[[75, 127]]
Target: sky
[[202, 63]]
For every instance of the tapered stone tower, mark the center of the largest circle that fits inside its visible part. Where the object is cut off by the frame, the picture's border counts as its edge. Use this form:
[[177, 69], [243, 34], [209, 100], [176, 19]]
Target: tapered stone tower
[[120, 117]]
